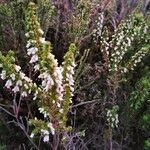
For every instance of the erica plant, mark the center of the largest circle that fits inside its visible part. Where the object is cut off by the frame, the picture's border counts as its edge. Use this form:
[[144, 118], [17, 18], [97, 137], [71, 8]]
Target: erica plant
[[53, 94]]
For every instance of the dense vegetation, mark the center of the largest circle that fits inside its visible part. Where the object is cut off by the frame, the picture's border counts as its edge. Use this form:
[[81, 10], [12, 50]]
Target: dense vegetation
[[74, 74]]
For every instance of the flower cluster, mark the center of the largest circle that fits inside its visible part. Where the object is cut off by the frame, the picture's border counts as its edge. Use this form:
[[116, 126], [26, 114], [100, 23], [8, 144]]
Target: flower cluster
[[98, 27], [120, 42], [112, 117], [34, 36], [57, 84], [68, 81], [47, 81], [125, 35], [56, 81], [16, 80], [52, 83], [57, 77], [105, 47], [43, 128], [40, 51], [45, 135], [137, 58]]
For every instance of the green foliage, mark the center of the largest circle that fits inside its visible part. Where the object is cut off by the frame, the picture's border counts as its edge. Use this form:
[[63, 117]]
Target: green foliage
[[46, 13], [139, 105], [5, 10], [2, 147], [78, 21], [147, 145], [140, 95]]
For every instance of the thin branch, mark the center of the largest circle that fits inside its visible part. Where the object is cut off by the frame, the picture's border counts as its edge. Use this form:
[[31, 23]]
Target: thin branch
[[87, 102], [6, 111], [22, 127], [3, 105], [88, 85]]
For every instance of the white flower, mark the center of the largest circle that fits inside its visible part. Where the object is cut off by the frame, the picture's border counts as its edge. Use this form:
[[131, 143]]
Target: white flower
[[33, 41], [40, 31], [37, 67], [29, 91], [46, 138], [22, 75], [52, 131], [107, 52], [34, 58], [17, 68], [1, 65], [45, 75], [61, 111], [19, 83], [35, 95], [113, 119], [94, 31], [115, 60], [116, 121], [73, 64], [70, 69], [34, 98], [108, 113], [32, 50], [27, 79], [60, 98], [60, 89], [42, 40], [113, 55], [48, 84], [44, 83], [41, 110], [24, 94], [50, 125], [8, 83], [72, 89], [3, 75], [12, 76], [58, 104], [57, 72], [129, 41], [15, 89], [26, 86], [45, 114], [118, 53], [71, 81], [45, 132], [115, 66], [112, 125], [41, 76], [125, 70], [27, 35], [28, 44], [32, 135]]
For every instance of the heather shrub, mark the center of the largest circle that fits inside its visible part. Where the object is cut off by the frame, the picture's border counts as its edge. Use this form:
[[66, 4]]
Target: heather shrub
[[74, 74]]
